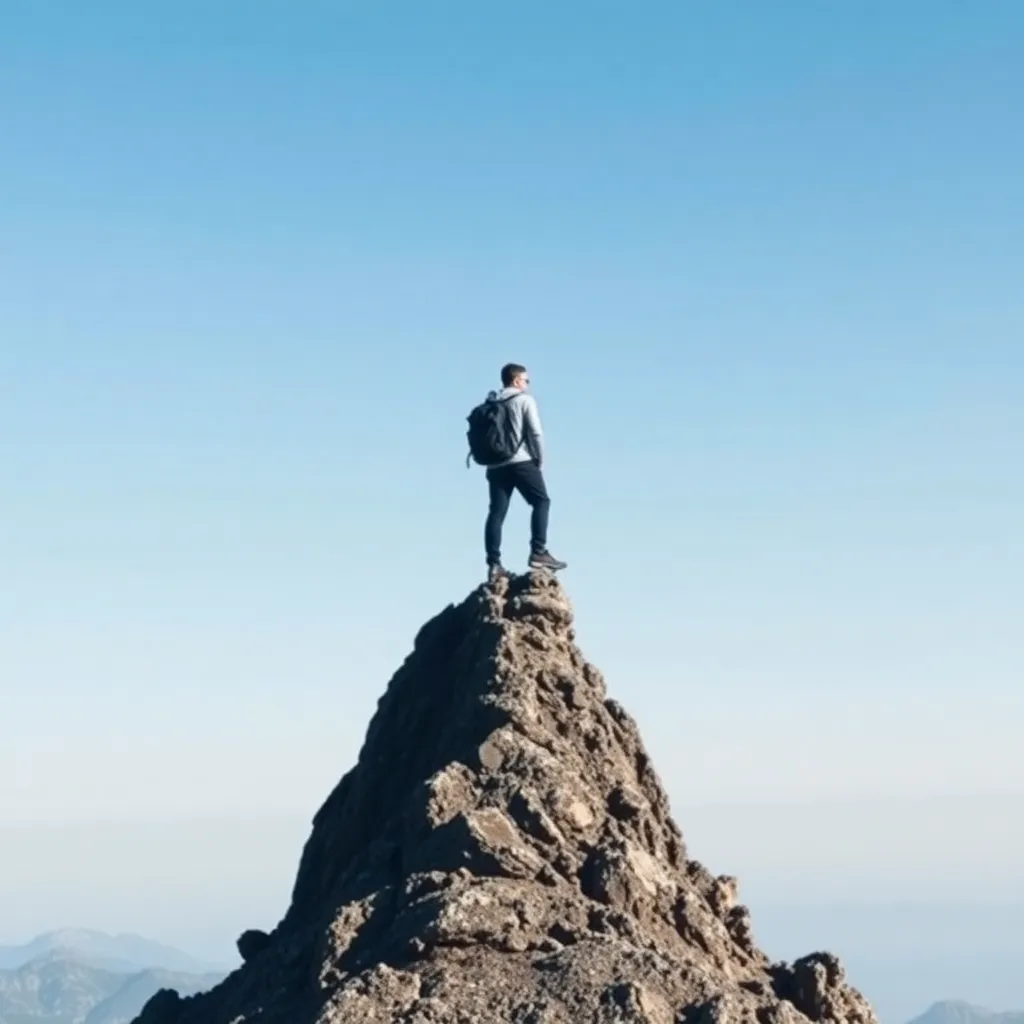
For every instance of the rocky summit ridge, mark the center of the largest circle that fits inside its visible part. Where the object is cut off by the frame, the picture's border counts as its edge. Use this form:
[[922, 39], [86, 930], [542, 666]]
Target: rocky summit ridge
[[503, 851]]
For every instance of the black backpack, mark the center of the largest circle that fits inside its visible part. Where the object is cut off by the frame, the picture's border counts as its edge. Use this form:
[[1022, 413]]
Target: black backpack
[[490, 436]]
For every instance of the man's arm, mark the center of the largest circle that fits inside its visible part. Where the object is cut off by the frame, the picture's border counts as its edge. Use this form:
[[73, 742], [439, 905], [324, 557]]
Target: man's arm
[[532, 432]]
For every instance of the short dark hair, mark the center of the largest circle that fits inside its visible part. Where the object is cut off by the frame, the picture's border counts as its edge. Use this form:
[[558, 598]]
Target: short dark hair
[[509, 372]]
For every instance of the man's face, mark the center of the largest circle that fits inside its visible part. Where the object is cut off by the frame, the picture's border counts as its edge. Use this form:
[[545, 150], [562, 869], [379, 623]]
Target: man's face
[[522, 381]]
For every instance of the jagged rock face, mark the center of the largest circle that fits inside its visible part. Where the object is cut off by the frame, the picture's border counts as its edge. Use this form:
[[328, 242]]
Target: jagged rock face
[[503, 852]]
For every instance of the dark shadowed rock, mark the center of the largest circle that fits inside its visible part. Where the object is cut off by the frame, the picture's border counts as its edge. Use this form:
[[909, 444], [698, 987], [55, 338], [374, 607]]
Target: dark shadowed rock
[[251, 943], [503, 851], [163, 1007]]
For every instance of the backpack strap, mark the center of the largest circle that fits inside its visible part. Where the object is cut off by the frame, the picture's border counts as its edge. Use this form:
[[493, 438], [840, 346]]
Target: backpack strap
[[522, 435]]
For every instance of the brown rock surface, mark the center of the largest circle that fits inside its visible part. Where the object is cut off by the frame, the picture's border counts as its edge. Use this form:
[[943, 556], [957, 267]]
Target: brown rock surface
[[503, 852]]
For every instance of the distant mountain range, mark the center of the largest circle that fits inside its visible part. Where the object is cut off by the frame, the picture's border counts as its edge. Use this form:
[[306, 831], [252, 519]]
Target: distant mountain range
[[82, 977], [953, 1012], [117, 952]]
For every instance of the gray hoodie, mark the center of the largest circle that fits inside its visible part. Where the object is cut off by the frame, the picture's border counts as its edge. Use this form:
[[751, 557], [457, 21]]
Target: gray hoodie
[[525, 421]]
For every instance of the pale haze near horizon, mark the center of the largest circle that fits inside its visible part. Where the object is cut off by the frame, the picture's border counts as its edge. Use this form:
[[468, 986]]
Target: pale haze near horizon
[[766, 274]]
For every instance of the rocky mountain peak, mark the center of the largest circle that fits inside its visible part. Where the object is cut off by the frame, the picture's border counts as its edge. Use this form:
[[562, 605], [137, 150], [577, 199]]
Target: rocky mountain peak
[[503, 851]]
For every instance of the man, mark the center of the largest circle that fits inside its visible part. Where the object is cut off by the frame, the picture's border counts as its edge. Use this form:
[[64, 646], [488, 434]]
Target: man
[[522, 473]]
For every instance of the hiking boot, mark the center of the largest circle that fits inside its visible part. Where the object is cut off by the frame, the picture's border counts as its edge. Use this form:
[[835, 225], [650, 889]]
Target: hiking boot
[[496, 571], [545, 560]]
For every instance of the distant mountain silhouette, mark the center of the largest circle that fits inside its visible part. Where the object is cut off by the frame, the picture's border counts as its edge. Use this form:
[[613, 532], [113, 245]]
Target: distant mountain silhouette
[[127, 1002], [953, 1012], [123, 953], [58, 987]]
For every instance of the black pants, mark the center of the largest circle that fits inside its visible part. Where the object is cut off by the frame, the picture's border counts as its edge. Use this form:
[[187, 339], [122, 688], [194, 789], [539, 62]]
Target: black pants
[[527, 479]]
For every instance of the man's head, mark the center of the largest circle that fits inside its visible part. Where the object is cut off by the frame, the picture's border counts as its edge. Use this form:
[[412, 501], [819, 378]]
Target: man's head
[[514, 376]]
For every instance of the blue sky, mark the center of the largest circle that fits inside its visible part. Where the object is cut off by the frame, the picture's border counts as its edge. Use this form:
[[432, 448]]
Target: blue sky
[[258, 260]]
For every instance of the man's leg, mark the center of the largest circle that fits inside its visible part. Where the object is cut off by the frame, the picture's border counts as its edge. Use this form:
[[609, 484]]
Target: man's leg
[[530, 484], [529, 481], [500, 495]]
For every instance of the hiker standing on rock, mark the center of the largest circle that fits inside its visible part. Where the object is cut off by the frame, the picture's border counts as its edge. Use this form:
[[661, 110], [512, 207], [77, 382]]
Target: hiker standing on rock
[[505, 436]]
